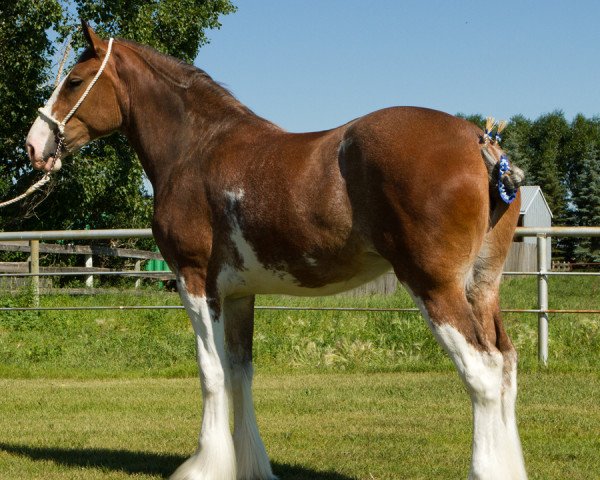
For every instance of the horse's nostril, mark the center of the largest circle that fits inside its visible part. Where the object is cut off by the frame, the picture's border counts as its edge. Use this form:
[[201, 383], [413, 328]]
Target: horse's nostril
[[30, 151]]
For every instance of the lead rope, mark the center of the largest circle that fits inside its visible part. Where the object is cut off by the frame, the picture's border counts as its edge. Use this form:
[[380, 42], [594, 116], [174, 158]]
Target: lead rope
[[46, 177], [61, 125], [61, 65], [36, 186]]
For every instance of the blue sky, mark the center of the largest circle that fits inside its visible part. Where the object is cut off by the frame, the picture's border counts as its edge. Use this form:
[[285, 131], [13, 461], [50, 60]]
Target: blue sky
[[315, 64]]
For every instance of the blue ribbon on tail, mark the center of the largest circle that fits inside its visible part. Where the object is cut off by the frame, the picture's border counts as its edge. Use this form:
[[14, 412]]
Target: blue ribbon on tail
[[504, 168]]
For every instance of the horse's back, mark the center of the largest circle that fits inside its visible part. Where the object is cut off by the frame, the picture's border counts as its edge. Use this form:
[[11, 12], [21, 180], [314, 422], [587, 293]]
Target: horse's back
[[412, 140]]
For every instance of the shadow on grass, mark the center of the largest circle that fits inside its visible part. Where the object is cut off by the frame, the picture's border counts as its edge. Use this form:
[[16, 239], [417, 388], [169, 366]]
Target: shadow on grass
[[142, 462]]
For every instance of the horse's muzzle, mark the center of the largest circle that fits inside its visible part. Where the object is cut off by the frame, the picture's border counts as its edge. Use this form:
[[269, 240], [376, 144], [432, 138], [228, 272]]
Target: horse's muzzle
[[49, 164]]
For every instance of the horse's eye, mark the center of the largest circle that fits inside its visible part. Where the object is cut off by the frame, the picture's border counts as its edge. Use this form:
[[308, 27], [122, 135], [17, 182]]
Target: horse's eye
[[75, 82]]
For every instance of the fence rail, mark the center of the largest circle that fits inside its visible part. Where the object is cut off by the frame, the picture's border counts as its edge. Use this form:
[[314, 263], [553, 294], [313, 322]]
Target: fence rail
[[34, 247]]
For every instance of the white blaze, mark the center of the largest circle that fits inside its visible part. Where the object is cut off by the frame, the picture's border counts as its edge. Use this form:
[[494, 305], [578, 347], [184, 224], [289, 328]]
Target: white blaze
[[42, 136]]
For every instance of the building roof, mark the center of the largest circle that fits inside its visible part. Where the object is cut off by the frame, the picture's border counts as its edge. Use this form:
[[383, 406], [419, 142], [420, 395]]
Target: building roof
[[528, 196]]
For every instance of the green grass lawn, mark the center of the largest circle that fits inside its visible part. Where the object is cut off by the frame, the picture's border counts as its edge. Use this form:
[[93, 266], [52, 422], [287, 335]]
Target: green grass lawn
[[151, 343], [340, 395], [315, 426]]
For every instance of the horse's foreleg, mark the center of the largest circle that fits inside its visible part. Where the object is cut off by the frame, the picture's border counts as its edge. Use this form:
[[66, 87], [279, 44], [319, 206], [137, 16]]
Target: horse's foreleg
[[215, 458], [252, 460], [490, 377]]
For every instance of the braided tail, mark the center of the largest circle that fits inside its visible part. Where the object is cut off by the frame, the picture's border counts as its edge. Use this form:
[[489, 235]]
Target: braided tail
[[504, 177]]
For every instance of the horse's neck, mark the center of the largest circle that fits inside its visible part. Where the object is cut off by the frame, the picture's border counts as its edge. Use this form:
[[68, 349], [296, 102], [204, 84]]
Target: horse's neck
[[170, 125]]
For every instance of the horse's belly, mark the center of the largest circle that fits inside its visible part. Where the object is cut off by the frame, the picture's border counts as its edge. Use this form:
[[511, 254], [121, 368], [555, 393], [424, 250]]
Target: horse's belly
[[312, 279], [264, 281]]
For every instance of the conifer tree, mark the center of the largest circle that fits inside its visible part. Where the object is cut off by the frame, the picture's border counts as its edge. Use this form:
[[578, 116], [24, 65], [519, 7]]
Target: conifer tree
[[515, 141], [586, 203], [546, 139]]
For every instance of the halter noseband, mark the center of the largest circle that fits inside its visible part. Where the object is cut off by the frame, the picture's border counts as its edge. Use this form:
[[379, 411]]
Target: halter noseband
[[61, 125]]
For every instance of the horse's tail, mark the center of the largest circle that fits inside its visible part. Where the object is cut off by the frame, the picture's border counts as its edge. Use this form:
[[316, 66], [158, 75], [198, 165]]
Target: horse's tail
[[504, 182], [484, 278], [505, 178]]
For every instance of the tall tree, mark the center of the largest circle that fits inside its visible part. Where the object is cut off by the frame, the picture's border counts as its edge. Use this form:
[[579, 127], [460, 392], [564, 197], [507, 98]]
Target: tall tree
[[545, 141], [515, 141], [25, 53], [174, 27], [586, 203], [477, 119], [101, 186], [583, 135]]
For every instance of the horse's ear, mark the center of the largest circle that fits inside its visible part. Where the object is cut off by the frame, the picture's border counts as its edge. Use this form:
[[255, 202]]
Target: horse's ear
[[92, 39]]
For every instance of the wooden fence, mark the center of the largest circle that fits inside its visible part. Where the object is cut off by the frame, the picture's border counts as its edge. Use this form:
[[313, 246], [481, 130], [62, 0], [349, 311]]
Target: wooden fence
[[32, 265], [522, 257]]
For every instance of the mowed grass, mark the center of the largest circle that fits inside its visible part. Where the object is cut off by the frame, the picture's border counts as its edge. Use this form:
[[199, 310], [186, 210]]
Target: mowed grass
[[340, 395], [315, 426]]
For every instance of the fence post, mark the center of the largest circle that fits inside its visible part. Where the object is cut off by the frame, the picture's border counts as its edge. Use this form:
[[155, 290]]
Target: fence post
[[34, 268], [89, 263], [542, 300], [137, 268]]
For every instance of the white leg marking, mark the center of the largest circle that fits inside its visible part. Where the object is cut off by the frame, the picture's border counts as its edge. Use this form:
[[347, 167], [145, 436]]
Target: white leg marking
[[252, 460], [509, 400], [492, 388], [215, 458]]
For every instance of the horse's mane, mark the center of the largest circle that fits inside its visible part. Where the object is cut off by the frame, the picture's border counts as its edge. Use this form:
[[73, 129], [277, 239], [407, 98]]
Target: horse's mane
[[175, 71], [182, 74]]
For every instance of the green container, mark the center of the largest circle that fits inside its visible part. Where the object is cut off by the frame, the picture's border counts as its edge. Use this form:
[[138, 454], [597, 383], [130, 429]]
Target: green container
[[154, 265]]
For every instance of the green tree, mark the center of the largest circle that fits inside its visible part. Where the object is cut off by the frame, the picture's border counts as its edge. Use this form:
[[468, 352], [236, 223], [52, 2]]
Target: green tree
[[586, 204], [174, 27], [583, 136], [545, 141], [25, 53], [477, 119], [515, 141], [101, 186]]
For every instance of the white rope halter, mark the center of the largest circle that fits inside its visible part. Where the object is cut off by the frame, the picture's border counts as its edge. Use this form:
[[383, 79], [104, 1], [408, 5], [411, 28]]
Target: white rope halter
[[61, 125], [61, 129]]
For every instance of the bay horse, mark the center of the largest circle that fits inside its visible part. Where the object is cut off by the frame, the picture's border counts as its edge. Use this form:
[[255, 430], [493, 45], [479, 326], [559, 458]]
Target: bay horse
[[242, 207]]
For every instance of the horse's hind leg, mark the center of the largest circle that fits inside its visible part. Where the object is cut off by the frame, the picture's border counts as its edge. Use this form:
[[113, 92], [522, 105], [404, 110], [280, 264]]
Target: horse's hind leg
[[464, 315], [483, 295], [252, 460], [487, 371]]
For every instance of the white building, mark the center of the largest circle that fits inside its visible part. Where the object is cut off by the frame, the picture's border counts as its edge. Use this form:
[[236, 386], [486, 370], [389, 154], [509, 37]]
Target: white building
[[535, 212]]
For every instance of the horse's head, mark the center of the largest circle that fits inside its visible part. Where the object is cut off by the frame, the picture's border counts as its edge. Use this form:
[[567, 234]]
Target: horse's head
[[82, 108]]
